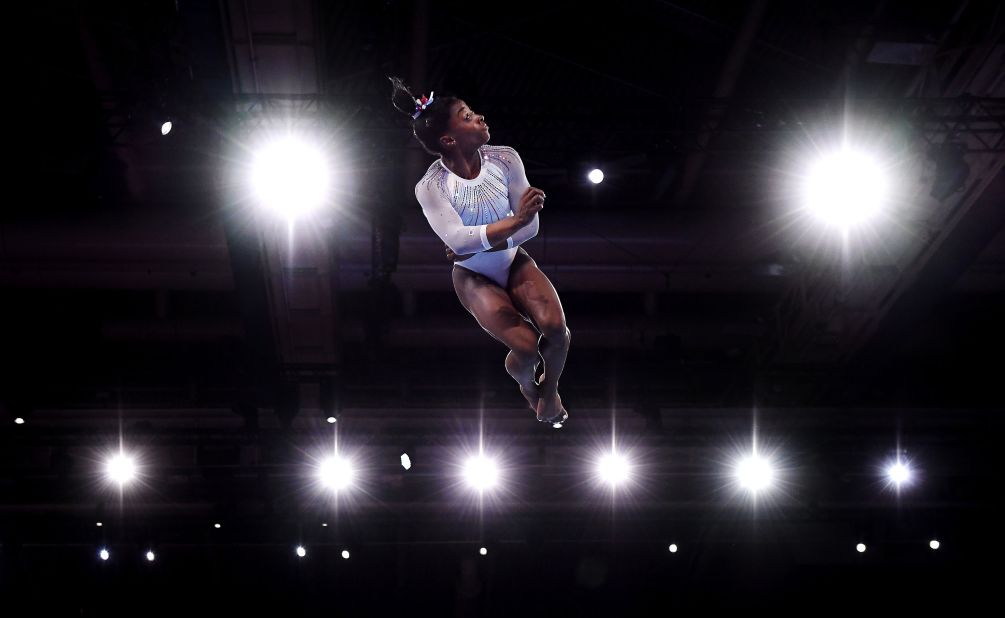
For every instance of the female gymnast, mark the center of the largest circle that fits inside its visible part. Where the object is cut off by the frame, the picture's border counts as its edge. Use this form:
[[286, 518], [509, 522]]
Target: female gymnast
[[478, 200]]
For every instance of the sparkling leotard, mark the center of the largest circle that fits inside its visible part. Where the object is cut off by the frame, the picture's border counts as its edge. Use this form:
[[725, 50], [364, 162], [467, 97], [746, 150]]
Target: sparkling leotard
[[460, 210]]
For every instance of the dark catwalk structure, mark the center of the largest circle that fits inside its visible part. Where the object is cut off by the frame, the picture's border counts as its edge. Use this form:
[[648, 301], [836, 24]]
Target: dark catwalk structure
[[262, 309]]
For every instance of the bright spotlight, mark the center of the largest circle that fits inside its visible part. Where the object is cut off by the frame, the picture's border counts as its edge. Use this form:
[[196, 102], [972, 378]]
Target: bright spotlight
[[336, 473], [217, 526], [754, 473], [481, 473], [899, 473], [19, 421], [845, 188], [104, 555], [166, 128], [596, 176], [331, 420], [673, 549], [613, 469], [291, 178], [121, 469], [150, 556], [934, 544], [483, 551], [100, 524], [301, 551], [406, 462], [345, 554], [860, 548]]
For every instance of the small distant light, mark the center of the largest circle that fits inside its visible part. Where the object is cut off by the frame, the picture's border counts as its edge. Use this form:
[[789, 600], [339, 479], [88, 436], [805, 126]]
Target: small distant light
[[332, 420], [100, 524], [596, 176], [899, 473], [406, 462], [481, 473], [860, 548], [483, 551], [336, 473], [324, 525], [934, 544], [614, 469], [755, 473], [166, 128], [103, 554], [345, 554], [19, 421], [217, 526], [301, 551], [673, 549], [121, 469], [150, 556]]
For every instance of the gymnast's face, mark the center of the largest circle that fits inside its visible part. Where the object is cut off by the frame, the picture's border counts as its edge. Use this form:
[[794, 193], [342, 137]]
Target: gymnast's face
[[467, 130]]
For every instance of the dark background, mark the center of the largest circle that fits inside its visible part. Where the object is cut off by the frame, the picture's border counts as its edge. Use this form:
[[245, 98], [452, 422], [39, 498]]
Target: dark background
[[143, 300]]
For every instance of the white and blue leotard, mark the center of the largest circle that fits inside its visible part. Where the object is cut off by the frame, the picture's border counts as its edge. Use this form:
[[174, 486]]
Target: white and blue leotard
[[460, 210]]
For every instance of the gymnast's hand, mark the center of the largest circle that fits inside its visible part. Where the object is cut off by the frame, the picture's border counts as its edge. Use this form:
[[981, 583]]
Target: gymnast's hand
[[453, 257], [531, 202]]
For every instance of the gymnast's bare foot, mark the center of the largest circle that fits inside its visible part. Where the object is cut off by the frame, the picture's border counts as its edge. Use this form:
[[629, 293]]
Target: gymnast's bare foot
[[532, 393], [550, 410]]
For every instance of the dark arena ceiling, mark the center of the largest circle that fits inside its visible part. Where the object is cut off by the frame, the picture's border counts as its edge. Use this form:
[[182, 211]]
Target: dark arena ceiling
[[150, 306]]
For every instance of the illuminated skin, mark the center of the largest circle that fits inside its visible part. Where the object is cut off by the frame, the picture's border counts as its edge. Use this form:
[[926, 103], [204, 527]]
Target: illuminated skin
[[528, 293]]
